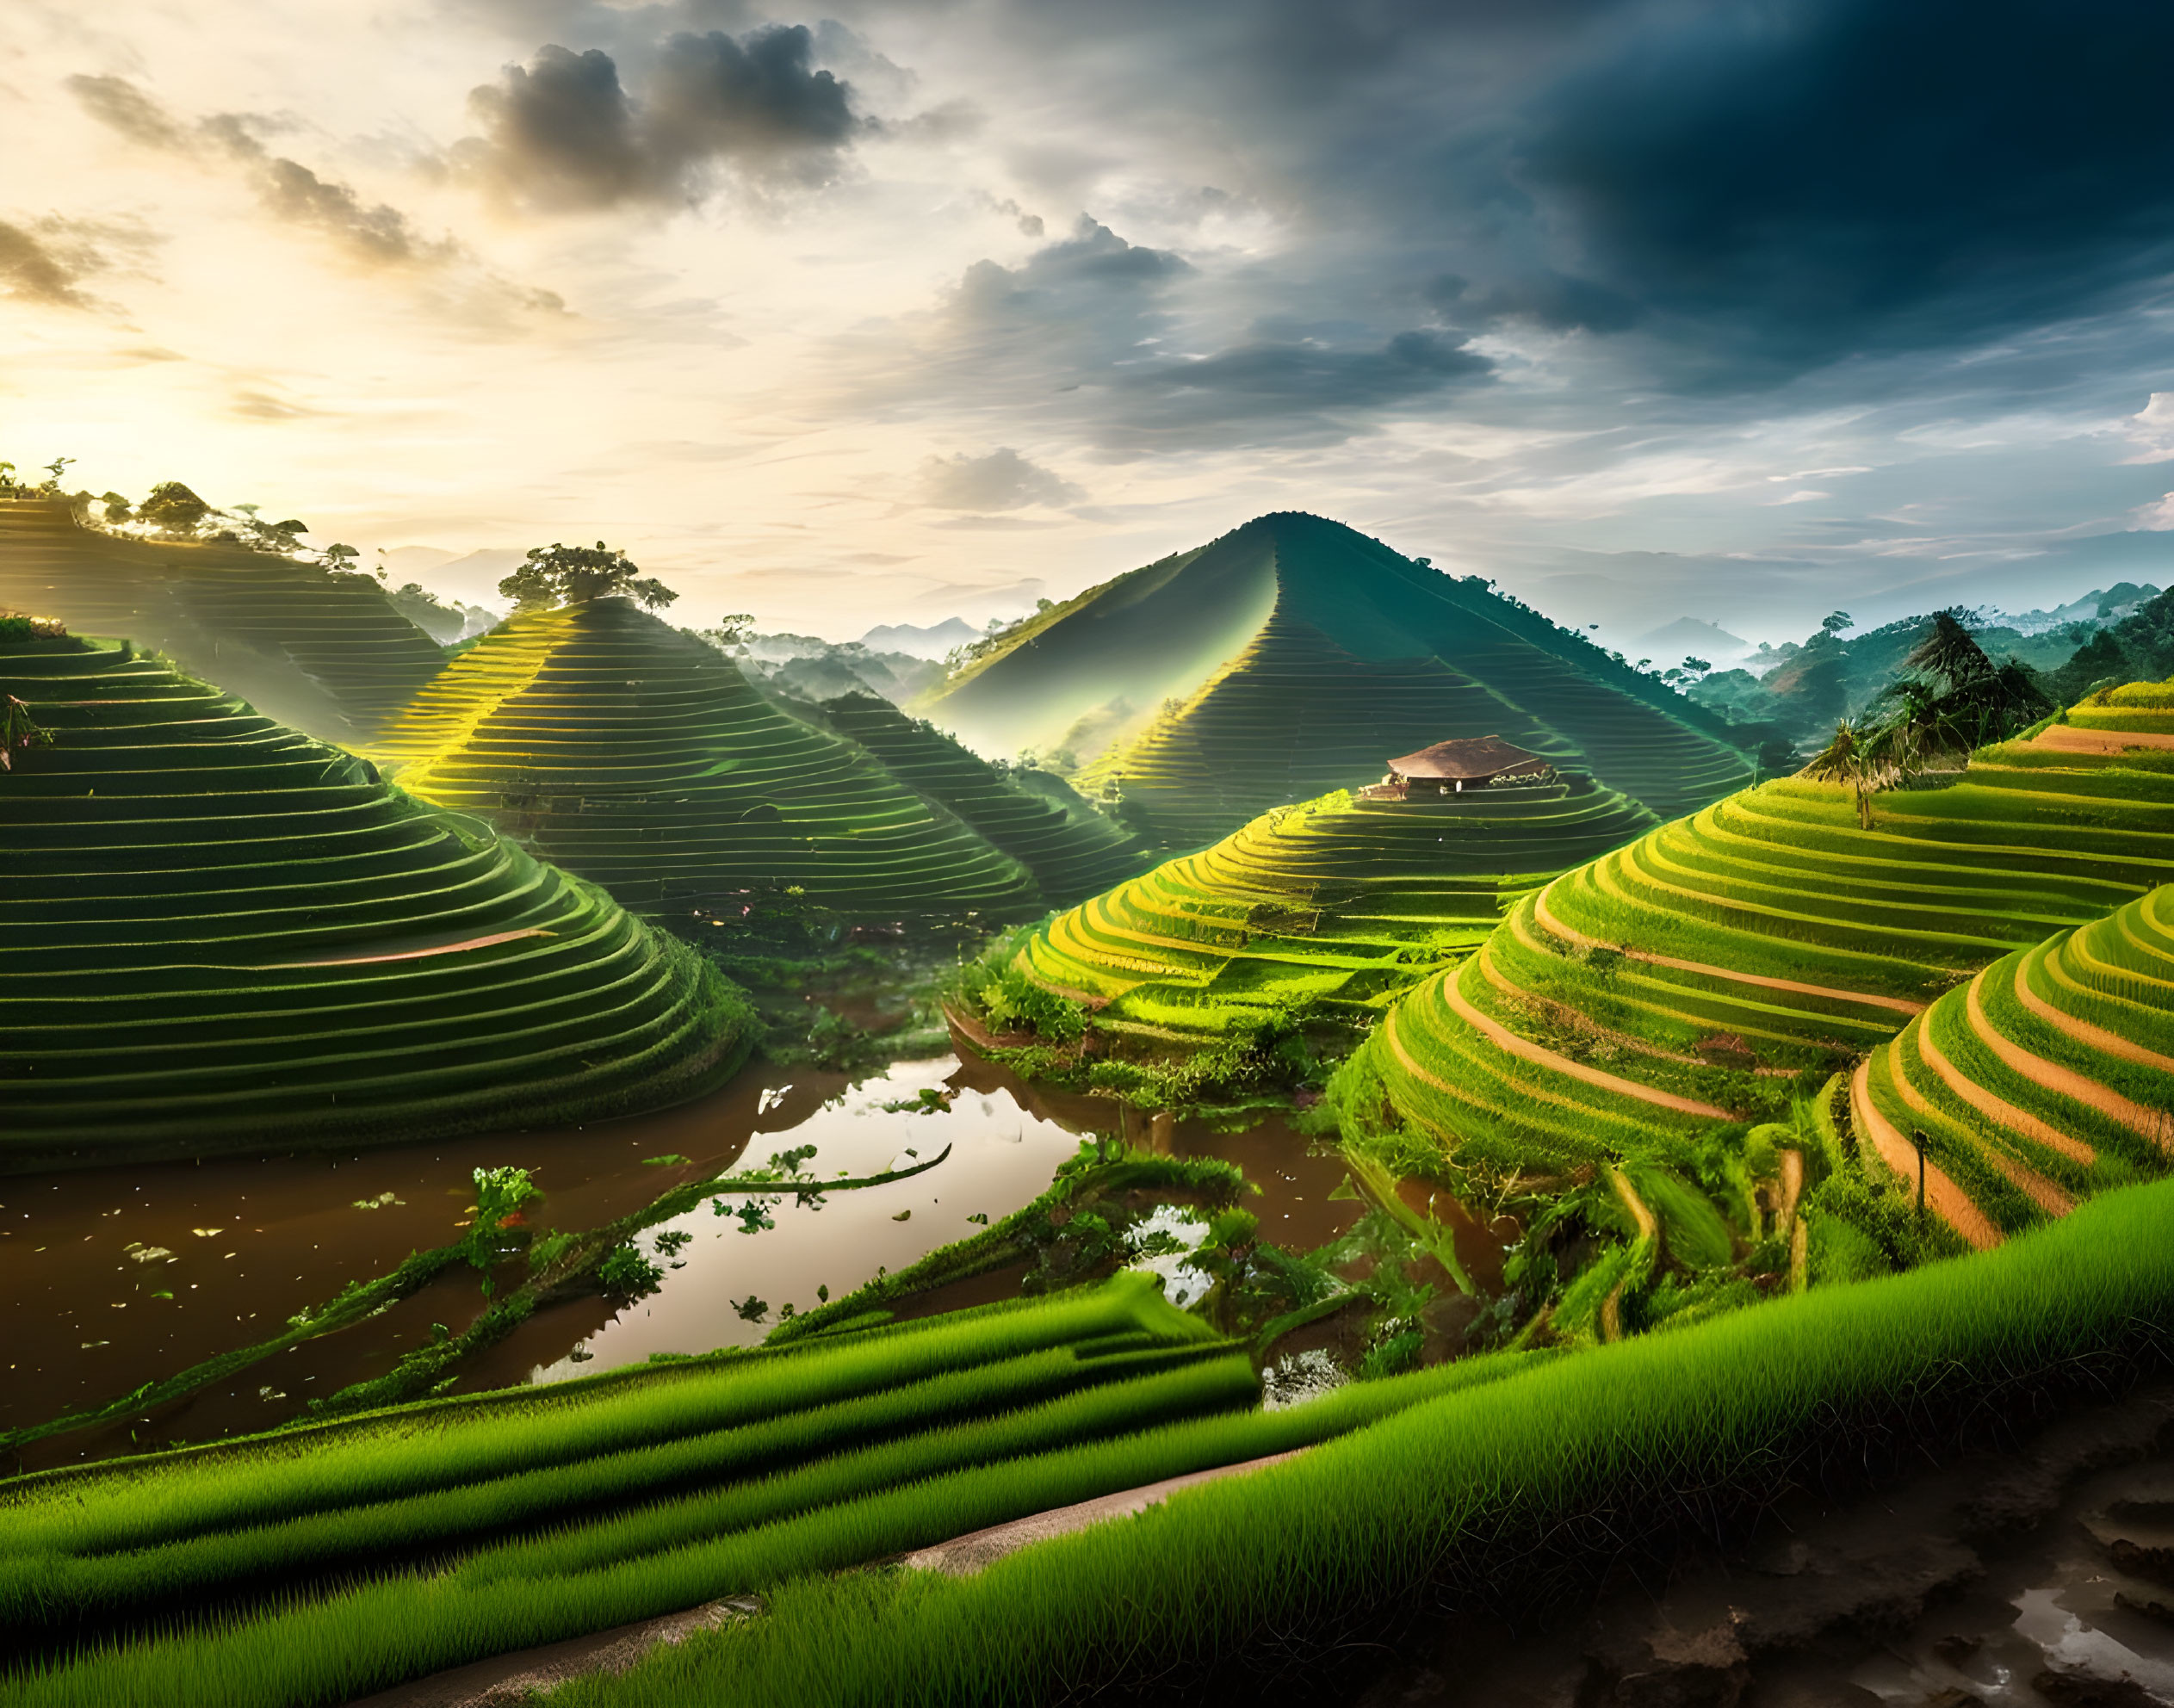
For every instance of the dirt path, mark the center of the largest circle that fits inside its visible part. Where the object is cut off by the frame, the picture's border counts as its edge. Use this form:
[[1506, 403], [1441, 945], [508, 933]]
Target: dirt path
[[2067, 737], [2033, 1185], [2096, 1038], [1501, 981], [1792, 1188], [493, 939], [2051, 1076], [519, 1676], [1508, 1041], [1942, 1196], [1649, 1228], [1897, 1004], [1998, 1109], [964, 1555]]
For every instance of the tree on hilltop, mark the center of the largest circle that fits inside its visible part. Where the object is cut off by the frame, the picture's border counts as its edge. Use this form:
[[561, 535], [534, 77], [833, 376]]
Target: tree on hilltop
[[173, 509], [556, 575]]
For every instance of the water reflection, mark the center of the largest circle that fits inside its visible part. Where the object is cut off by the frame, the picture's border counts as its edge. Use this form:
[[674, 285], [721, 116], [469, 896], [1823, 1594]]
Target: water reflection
[[114, 1277], [735, 1284]]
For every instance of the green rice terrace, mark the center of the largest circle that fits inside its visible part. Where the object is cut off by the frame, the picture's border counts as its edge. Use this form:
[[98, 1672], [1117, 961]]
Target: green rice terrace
[[1335, 905], [639, 758], [1720, 970], [218, 933], [323, 650], [1287, 656], [1037, 818]]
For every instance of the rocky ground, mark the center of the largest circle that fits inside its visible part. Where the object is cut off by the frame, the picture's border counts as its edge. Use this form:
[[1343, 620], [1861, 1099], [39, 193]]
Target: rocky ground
[[2039, 1578]]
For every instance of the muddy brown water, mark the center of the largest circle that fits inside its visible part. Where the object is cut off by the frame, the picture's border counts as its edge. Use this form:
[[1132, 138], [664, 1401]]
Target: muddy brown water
[[110, 1279]]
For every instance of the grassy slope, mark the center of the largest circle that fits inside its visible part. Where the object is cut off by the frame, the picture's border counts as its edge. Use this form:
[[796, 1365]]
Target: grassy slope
[[1293, 653], [641, 759], [1509, 1494], [324, 1562], [327, 654], [1639, 1000], [1341, 902], [192, 931], [1072, 850]]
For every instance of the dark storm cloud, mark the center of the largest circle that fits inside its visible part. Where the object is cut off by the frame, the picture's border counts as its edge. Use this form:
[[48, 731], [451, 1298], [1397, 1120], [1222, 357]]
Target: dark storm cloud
[[1280, 390], [33, 268], [1816, 177], [565, 131], [1547, 299]]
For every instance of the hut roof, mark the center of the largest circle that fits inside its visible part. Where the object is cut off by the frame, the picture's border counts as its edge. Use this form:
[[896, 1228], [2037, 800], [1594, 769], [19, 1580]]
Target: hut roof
[[1481, 757]]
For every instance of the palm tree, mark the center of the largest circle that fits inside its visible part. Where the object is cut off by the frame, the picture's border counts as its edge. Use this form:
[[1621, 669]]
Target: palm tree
[[1858, 757]]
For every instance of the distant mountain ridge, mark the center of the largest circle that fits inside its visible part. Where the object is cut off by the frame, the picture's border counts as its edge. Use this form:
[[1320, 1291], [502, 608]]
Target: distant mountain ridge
[[932, 643], [1291, 657]]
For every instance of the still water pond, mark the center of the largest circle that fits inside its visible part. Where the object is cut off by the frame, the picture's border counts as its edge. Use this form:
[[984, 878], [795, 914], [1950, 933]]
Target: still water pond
[[112, 1279]]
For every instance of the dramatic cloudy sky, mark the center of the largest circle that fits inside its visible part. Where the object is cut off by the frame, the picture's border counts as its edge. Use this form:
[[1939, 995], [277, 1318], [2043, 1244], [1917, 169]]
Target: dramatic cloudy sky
[[1649, 307]]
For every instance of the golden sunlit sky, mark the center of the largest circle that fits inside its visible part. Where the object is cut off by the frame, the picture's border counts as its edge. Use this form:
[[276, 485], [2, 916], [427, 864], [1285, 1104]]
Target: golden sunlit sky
[[897, 311]]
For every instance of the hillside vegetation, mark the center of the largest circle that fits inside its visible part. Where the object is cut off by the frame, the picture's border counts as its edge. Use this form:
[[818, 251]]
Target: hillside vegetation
[[2048, 1077], [641, 758], [1336, 904], [1037, 818], [218, 933], [1294, 654], [324, 651], [325, 1563], [1723, 966]]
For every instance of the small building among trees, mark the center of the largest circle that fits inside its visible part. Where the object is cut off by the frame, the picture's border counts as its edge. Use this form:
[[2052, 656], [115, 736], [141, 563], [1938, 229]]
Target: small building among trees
[[1452, 767]]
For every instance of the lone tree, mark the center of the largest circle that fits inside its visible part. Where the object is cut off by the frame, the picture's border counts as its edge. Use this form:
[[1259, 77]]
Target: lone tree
[[571, 575], [173, 509], [1862, 760]]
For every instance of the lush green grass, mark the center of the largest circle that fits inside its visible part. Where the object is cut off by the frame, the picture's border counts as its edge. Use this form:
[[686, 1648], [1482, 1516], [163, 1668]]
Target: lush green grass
[[1530, 1486], [1341, 902], [216, 933], [1723, 965], [639, 758], [324, 652], [2046, 1078], [1034, 817], [1294, 654], [907, 1464]]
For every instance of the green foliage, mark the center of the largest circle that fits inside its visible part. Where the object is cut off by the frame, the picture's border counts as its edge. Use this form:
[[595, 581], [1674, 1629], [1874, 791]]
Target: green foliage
[[627, 1271], [558, 575], [173, 509]]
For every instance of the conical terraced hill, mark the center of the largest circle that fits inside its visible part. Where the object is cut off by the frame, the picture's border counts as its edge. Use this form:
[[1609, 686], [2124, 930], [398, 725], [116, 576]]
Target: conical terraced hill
[[641, 758], [1709, 971], [217, 933], [1294, 653], [326, 652], [1341, 902], [2047, 1078], [1072, 850]]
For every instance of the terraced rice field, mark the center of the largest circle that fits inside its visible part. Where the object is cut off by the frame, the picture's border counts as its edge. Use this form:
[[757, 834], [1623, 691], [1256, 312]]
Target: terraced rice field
[[1072, 850], [327, 653], [1294, 654], [1710, 971], [1341, 901], [2047, 1078], [641, 759], [217, 933]]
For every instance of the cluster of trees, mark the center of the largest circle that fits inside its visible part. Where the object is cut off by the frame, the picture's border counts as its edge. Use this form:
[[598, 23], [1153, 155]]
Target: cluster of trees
[[1950, 699]]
